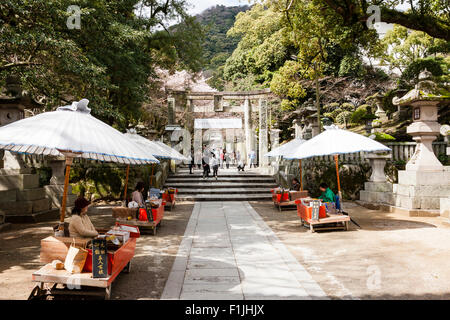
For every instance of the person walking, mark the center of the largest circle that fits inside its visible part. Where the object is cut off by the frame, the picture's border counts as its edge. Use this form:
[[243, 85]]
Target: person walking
[[222, 158], [214, 164], [191, 162], [228, 159], [252, 157], [205, 164]]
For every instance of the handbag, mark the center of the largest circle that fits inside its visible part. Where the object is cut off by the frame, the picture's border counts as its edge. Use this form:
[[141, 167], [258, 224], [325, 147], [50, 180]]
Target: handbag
[[75, 259]]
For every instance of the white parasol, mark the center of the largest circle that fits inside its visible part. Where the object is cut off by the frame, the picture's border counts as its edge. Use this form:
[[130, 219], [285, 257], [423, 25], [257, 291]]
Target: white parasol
[[335, 141], [72, 132], [285, 151], [175, 155], [154, 148]]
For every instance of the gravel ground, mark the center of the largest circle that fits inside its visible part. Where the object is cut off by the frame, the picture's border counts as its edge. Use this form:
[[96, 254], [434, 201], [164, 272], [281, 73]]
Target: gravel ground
[[151, 265], [393, 256]]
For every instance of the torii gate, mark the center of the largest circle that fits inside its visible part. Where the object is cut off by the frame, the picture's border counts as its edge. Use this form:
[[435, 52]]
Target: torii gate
[[223, 108]]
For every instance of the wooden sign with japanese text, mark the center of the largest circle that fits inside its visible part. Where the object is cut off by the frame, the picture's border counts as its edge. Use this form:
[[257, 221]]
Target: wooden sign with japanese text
[[99, 259]]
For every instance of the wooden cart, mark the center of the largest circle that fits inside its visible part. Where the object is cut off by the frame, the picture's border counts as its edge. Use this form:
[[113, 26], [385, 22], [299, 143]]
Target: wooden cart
[[79, 285], [325, 221], [122, 215], [286, 199]]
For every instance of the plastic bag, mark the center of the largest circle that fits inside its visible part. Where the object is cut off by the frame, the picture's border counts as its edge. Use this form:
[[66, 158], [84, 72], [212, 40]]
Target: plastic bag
[[133, 204]]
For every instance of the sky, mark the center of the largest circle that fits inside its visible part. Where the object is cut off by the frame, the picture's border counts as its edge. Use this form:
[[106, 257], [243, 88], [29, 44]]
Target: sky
[[198, 6]]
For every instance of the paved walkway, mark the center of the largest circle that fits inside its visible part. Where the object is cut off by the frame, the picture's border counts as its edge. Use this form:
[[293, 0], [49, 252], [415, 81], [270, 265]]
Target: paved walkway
[[228, 252]]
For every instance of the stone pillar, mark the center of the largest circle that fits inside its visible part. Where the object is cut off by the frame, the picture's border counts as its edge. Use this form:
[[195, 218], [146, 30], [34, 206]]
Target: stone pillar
[[55, 190], [198, 138], [263, 133], [171, 110], [314, 129], [275, 138], [248, 128]]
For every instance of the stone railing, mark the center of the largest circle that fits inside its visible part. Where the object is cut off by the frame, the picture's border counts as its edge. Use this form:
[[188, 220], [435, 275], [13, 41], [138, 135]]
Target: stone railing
[[405, 150], [400, 151], [285, 170]]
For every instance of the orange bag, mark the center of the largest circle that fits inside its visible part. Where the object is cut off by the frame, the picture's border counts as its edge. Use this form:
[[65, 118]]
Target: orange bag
[[143, 215]]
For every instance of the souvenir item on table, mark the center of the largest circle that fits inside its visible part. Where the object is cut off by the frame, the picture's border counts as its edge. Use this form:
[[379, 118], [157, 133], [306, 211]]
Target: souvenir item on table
[[58, 264], [121, 235]]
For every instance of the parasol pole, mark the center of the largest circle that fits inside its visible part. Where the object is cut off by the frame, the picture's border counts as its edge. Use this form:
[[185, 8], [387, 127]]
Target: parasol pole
[[69, 161], [301, 173], [336, 160], [126, 185], [151, 176]]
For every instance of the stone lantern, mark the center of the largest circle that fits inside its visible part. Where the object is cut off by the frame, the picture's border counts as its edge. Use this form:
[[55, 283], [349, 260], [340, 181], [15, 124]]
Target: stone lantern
[[12, 106], [425, 180], [379, 113], [423, 100]]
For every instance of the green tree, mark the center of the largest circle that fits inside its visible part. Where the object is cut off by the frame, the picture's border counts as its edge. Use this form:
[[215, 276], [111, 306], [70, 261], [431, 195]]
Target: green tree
[[110, 60], [262, 49], [430, 16], [401, 47]]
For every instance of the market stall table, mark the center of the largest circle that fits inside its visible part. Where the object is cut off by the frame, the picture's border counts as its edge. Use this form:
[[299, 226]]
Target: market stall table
[[130, 216], [80, 284], [286, 199], [169, 196], [325, 221]]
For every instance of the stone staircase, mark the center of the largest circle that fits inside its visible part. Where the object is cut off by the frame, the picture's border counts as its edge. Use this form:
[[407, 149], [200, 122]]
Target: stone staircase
[[21, 198], [229, 186]]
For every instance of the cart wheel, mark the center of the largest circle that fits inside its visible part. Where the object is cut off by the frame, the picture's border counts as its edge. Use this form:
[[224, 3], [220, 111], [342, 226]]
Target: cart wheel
[[127, 268], [36, 293]]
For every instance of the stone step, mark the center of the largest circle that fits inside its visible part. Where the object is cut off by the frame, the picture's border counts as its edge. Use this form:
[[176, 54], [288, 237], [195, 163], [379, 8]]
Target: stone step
[[48, 215], [221, 174], [226, 197], [222, 179], [210, 184], [224, 191]]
